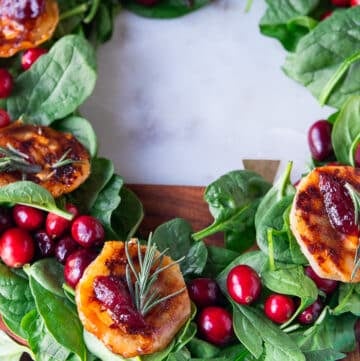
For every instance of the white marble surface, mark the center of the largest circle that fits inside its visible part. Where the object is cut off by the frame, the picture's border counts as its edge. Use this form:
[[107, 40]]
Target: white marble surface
[[184, 101]]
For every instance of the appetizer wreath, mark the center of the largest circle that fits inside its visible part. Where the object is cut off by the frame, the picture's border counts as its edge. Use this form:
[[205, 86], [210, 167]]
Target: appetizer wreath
[[76, 284]]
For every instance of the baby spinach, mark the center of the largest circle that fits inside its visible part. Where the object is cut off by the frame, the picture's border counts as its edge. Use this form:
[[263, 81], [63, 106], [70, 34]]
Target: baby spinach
[[165, 8], [31, 194], [233, 200], [345, 135], [9, 349], [218, 258], [324, 355], [326, 59], [81, 129], [349, 299], [288, 21], [16, 299], [57, 84]]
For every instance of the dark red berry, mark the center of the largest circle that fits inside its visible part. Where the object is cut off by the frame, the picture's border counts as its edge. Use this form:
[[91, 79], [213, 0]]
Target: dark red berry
[[338, 204], [204, 292], [6, 83], [30, 56], [354, 3], [44, 243], [6, 220], [340, 3], [87, 231], [243, 284], [76, 264], [4, 118], [279, 308], [56, 226], [64, 247], [27, 217], [319, 140], [323, 284], [311, 313], [22, 10], [215, 325], [71, 208], [326, 15], [357, 156], [16, 247]]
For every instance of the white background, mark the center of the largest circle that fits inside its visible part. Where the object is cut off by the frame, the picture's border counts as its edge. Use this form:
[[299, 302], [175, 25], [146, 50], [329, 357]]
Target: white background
[[184, 101]]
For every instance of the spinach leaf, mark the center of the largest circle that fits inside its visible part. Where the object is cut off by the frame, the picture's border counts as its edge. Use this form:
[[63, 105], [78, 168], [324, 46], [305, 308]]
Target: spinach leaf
[[201, 348], [324, 355], [57, 84], [9, 349], [233, 200], [42, 344], [56, 311], [81, 129], [84, 197], [165, 8], [349, 299], [326, 59], [106, 203], [31, 194], [345, 134], [175, 235], [288, 21], [128, 215], [15, 299]]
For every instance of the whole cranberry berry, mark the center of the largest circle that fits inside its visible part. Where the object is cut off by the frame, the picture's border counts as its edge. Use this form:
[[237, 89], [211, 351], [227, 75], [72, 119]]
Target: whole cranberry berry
[[76, 264], [204, 292], [319, 140], [340, 3], [30, 56], [323, 284], [279, 308], [311, 313], [243, 284], [87, 231], [354, 3], [16, 247], [6, 83], [27, 217], [64, 247], [56, 226], [45, 245], [4, 118]]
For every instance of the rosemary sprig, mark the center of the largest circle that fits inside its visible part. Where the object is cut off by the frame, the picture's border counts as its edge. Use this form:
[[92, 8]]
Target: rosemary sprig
[[355, 196], [12, 159], [142, 292], [63, 160]]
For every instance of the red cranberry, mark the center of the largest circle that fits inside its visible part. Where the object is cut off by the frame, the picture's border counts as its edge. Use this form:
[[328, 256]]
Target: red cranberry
[[16, 247], [6, 220], [27, 217], [6, 83], [204, 292], [354, 3], [357, 155], [76, 264], [44, 243], [311, 313], [243, 284], [338, 204], [319, 140], [279, 308], [30, 56], [64, 247], [323, 284], [4, 118], [215, 325], [340, 3], [87, 231], [57, 226], [22, 9]]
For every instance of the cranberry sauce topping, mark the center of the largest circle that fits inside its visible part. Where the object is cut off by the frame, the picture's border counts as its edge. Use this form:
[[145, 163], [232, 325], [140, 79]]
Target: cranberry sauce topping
[[338, 204], [22, 10], [113, 293]]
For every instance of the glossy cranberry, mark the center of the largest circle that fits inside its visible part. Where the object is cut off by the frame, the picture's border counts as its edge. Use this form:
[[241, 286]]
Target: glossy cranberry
[[22, 9], [215, 325], [204, 292], [71, 208], [279, 308], [57, 226], [311, 313], [44, 243], [323, 284], [76, 264], [27, 217], [30, 56], [243, 284], [6, 83], [338, 204], [64, 247], [16, 247], [147, 2], [354, 3], [4, 118], [6, 220], [87, 231], [319, 140], [340, 3]]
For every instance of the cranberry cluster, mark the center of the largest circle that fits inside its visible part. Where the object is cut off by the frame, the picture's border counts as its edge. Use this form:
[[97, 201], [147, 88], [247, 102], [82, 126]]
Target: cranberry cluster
[[28, 234]]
